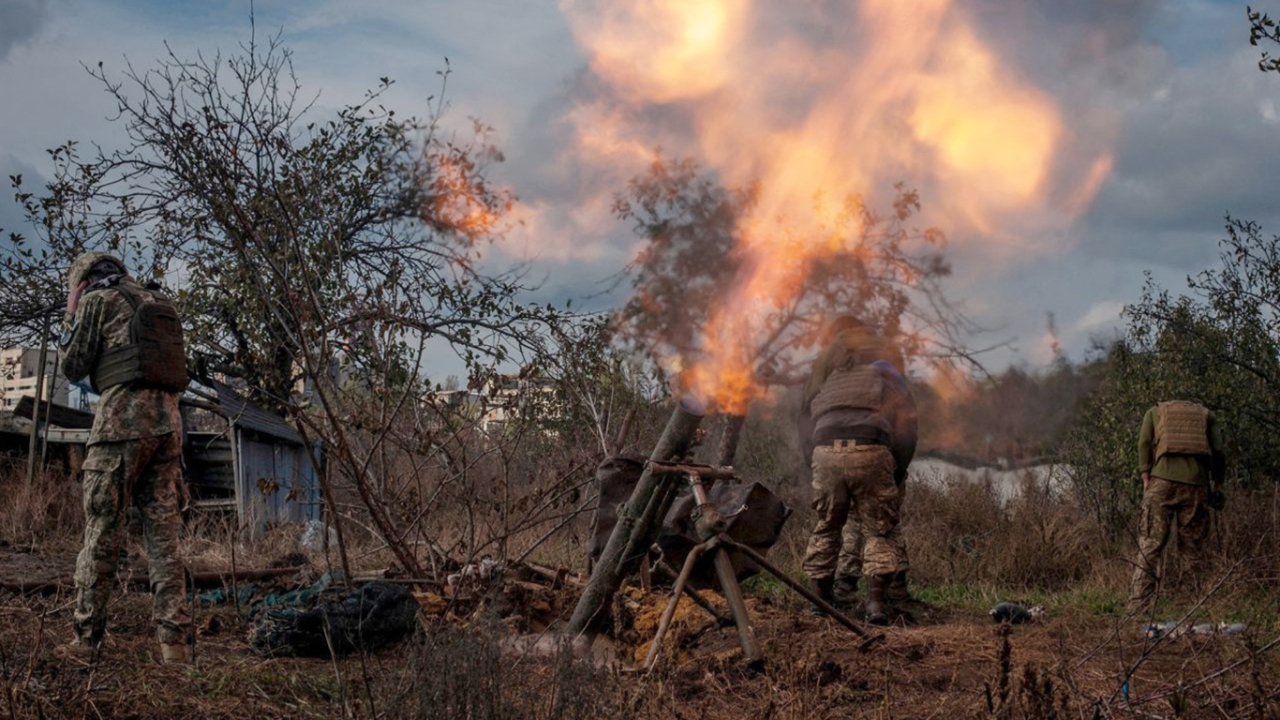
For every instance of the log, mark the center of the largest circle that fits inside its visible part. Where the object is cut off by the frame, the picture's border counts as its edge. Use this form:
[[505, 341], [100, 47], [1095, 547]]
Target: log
[[199, 580]]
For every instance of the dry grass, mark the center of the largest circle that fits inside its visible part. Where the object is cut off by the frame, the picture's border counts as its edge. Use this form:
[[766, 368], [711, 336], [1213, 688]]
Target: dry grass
[[46, 512], [968, 551]]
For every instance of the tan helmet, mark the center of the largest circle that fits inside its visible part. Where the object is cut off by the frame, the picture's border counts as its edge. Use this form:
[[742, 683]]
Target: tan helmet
[[85, 262]]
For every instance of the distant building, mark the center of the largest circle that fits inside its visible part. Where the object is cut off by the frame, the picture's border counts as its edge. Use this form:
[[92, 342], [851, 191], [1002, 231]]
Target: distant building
[[19, 370], [499, 401]]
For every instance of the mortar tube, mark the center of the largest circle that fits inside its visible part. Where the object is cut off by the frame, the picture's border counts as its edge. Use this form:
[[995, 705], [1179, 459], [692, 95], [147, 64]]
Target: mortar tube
[[676, 438], [729, 439], [647, 533], [648, 527]]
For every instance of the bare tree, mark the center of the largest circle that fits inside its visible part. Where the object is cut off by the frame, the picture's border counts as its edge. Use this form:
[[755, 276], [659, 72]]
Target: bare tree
[[317, 258]]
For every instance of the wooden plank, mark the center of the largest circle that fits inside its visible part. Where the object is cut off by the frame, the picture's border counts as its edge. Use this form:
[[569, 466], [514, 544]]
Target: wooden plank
[[61, 415], [63, 436]]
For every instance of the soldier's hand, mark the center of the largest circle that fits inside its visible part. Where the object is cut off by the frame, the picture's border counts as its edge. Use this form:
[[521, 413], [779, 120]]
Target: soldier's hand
[[73, 298], [1146, 480]]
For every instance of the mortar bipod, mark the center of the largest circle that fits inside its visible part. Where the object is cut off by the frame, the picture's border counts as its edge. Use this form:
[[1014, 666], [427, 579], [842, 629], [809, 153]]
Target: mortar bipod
[[710, 528]]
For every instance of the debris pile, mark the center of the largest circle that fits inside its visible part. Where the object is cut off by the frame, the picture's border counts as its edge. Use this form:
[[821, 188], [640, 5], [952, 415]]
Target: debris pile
[[1174, 630], [370, 617]]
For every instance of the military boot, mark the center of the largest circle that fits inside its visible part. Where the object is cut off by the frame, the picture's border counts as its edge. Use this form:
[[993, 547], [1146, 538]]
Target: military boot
[[823, 588], [846, 590], [876, 585], [898, 591]]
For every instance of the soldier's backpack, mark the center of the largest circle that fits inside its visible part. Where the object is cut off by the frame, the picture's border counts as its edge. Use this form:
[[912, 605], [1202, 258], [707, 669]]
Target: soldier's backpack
[[860, 387], [1182, 428], [155, 356]]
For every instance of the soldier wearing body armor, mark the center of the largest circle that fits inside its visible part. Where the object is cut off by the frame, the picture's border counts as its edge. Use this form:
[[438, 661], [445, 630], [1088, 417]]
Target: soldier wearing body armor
[[1182, 466], [127, 339], [862, 420]]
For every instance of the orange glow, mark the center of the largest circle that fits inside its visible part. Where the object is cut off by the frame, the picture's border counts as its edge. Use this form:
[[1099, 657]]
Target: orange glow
[[660, 50], [910, 92], [457, 201]]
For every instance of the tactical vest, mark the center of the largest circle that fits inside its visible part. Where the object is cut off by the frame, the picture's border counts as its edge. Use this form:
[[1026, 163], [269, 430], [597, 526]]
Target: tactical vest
[[860, 387], [155, 356], [1182, 428]]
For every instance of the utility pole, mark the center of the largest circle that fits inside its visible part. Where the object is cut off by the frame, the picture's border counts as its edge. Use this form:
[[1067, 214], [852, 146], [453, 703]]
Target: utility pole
[[35, 407]]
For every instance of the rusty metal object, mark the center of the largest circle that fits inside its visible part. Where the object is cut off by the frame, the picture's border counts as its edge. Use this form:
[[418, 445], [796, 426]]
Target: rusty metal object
[[710, 528], [807, 594], [709, 523], [670, 611]]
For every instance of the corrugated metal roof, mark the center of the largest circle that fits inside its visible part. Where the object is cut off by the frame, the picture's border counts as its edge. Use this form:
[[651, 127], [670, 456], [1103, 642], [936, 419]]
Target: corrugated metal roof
[[246, 415]]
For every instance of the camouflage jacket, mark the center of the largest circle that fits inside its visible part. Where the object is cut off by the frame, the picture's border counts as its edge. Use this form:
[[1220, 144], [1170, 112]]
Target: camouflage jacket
[[124, 413]]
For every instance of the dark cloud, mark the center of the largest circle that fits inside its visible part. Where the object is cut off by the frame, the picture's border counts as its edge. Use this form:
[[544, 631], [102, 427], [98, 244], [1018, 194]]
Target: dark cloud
[[1203, 146], [19, 21]]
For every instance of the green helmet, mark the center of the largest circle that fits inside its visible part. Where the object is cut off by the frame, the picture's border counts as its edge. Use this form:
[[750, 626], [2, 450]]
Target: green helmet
[[83, 264]]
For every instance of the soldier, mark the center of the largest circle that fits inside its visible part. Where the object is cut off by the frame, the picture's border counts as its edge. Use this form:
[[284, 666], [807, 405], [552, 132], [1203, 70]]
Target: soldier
[[863, 423], [128, 340], [1182, 465]]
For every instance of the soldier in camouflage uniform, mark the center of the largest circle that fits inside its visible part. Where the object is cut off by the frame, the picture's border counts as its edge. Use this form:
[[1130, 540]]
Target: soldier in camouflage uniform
[[1182, 465], [134, 459], [862, 421]]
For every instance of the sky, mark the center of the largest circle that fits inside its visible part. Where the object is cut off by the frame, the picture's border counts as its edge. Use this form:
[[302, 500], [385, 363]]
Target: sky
[[1168, 92]]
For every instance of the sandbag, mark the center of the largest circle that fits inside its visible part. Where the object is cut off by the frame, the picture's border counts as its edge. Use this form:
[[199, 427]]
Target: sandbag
[[616, 477], [754, 516]]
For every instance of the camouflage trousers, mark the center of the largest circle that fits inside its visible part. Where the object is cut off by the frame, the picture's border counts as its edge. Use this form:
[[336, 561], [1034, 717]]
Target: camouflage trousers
[[849, 566], [144, 474], [1167, 505], [855, 478]]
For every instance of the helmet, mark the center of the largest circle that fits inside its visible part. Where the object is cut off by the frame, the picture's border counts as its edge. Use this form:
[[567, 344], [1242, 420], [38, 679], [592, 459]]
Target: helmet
[[843, 323], [84, 264]]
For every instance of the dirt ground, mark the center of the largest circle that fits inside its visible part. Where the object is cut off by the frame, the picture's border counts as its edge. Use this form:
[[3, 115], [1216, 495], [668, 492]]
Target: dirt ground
[[944, 663]]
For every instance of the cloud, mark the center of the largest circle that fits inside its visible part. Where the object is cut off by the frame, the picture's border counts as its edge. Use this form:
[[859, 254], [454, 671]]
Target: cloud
[[1170, 89], [20, 20]]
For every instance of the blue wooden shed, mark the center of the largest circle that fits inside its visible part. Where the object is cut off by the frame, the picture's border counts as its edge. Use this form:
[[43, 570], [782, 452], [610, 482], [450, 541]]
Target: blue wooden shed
[[257, 466]]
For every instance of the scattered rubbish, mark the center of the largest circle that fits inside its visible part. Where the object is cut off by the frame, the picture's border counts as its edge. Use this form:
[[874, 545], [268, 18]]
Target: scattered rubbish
[[251, 597], [1015, 614], [222, 596], [370, 617], [484, 570], [1173, 630], [313, 536]]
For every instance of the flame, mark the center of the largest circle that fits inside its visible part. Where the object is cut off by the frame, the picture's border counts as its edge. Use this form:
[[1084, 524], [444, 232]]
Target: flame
[[461, 201], [895, 90]]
